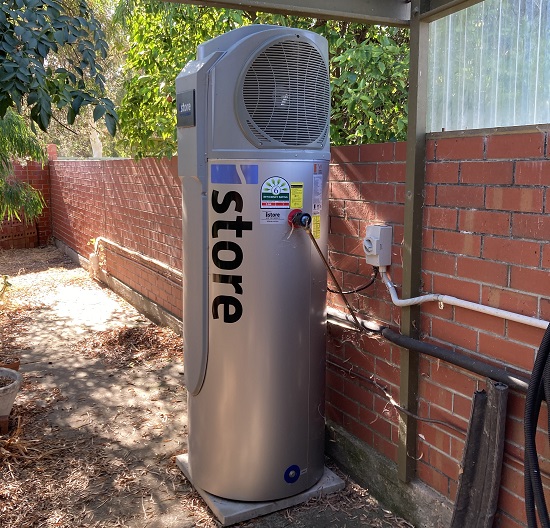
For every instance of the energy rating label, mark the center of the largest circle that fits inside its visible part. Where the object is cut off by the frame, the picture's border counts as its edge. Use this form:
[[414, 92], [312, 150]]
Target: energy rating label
[[275, 194]]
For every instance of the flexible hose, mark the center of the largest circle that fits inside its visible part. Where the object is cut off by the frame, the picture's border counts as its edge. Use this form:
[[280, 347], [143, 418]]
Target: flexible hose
[[539, 389]]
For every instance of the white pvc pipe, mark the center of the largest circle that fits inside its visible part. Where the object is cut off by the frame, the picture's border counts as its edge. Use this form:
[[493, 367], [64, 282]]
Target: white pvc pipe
[[454, 301]]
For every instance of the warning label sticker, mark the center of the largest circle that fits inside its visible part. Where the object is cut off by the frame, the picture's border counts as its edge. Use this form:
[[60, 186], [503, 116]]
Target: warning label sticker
[[316, 226], [275, 194], [296, 195]]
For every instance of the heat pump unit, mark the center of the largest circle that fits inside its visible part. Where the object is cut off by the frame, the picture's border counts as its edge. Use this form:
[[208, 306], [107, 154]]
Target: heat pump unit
[[253, 135]]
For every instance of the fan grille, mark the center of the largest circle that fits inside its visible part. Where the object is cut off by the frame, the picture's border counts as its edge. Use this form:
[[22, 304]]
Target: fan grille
[[286, 96]]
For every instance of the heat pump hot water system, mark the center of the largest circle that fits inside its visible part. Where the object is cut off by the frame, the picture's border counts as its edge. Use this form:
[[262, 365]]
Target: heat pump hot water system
[[253, 135]]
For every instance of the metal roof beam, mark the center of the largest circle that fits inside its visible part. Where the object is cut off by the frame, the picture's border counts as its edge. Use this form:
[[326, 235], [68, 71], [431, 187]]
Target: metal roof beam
[[384, 12], [431, 10]]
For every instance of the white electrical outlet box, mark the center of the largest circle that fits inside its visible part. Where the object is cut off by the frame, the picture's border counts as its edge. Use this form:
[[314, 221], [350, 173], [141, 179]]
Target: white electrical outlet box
[[377, 245]]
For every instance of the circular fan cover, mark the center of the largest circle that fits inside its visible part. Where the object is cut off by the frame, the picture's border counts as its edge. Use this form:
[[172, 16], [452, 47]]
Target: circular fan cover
[[285, 96]]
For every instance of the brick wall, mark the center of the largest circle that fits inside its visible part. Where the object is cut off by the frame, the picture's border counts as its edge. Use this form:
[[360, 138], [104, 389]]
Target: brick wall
[[136, 205], [485, 232], [485, 227], [15, 234]]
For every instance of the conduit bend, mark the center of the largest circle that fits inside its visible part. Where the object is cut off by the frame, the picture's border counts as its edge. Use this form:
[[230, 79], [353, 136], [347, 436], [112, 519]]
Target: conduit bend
[[455, 301]]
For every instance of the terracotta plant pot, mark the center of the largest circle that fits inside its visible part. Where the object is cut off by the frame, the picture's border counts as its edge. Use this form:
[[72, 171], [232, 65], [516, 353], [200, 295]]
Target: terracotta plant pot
[[8, 392], [10, 362]]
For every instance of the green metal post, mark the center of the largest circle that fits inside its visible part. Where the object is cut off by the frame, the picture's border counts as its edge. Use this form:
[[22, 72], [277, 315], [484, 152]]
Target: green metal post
[[412, 243]]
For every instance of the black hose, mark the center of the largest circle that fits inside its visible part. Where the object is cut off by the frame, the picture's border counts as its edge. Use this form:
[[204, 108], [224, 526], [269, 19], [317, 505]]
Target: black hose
[[539, 389], [460, 360]]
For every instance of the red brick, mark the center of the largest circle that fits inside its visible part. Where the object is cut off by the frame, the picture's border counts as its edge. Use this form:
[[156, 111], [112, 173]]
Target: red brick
[[530, 280], [483, 322], [345, 190], [509, 300], [532, 172], [389, 213], [429, 194], [430, 149], [514, 506], [360, 210], [529, 226], [456, 287], [506, 351], [502, 520], [358, 429], [344, 154], [434, 436], [377, 152], [337, 172], [400, 151], [521, 199], [485, 222], [434, 479], [378, 192], [391, 172], [341, 402], [459, 243], [487, 172], [511, 251], [435, 393], [511, 146], [524, 334], [361, 172], [512, 476], [355, 391], [442, 172], [471, 196], [444, 463], [344, 226], [451, 378], [483, 271], [460, 336], [460, 148], [440, 263], [441, 218], [336, 207]]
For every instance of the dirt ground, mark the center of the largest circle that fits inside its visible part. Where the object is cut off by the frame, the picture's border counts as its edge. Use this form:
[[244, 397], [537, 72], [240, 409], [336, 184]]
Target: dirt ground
[[102, 414]]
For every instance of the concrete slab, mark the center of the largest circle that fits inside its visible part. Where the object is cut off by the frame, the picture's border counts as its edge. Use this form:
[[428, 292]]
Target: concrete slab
[[231, 512]]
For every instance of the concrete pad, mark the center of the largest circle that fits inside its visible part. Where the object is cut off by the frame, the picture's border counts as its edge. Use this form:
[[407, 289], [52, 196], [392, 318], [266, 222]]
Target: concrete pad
[[231, 512]]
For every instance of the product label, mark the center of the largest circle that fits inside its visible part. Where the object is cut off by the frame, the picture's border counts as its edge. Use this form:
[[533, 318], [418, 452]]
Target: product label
[[317, 203], [273, 217], [275, 194]]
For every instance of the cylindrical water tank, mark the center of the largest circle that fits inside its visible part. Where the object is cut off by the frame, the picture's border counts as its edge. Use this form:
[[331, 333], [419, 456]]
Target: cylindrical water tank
[[254, 288]]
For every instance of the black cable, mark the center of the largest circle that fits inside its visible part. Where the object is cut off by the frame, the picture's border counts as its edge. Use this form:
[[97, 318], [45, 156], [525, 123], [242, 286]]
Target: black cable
[[539, 386], [361, 288]]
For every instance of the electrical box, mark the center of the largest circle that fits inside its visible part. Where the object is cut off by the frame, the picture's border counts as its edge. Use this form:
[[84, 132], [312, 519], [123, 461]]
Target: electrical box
[[377, 245]]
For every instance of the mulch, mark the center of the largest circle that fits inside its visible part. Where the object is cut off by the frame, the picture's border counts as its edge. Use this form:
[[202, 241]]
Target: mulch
[[51, 480]]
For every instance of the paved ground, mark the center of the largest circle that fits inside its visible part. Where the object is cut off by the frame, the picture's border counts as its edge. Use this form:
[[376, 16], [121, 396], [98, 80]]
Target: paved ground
[[108, 432]]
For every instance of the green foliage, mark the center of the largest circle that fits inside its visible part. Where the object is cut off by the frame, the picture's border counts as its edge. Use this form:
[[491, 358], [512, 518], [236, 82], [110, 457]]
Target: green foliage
[[18, 199], [17, 141], [31, 33], [368, 68]]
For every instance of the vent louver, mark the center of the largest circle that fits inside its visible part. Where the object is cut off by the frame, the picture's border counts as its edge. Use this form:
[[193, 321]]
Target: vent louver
[[284, 96]]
